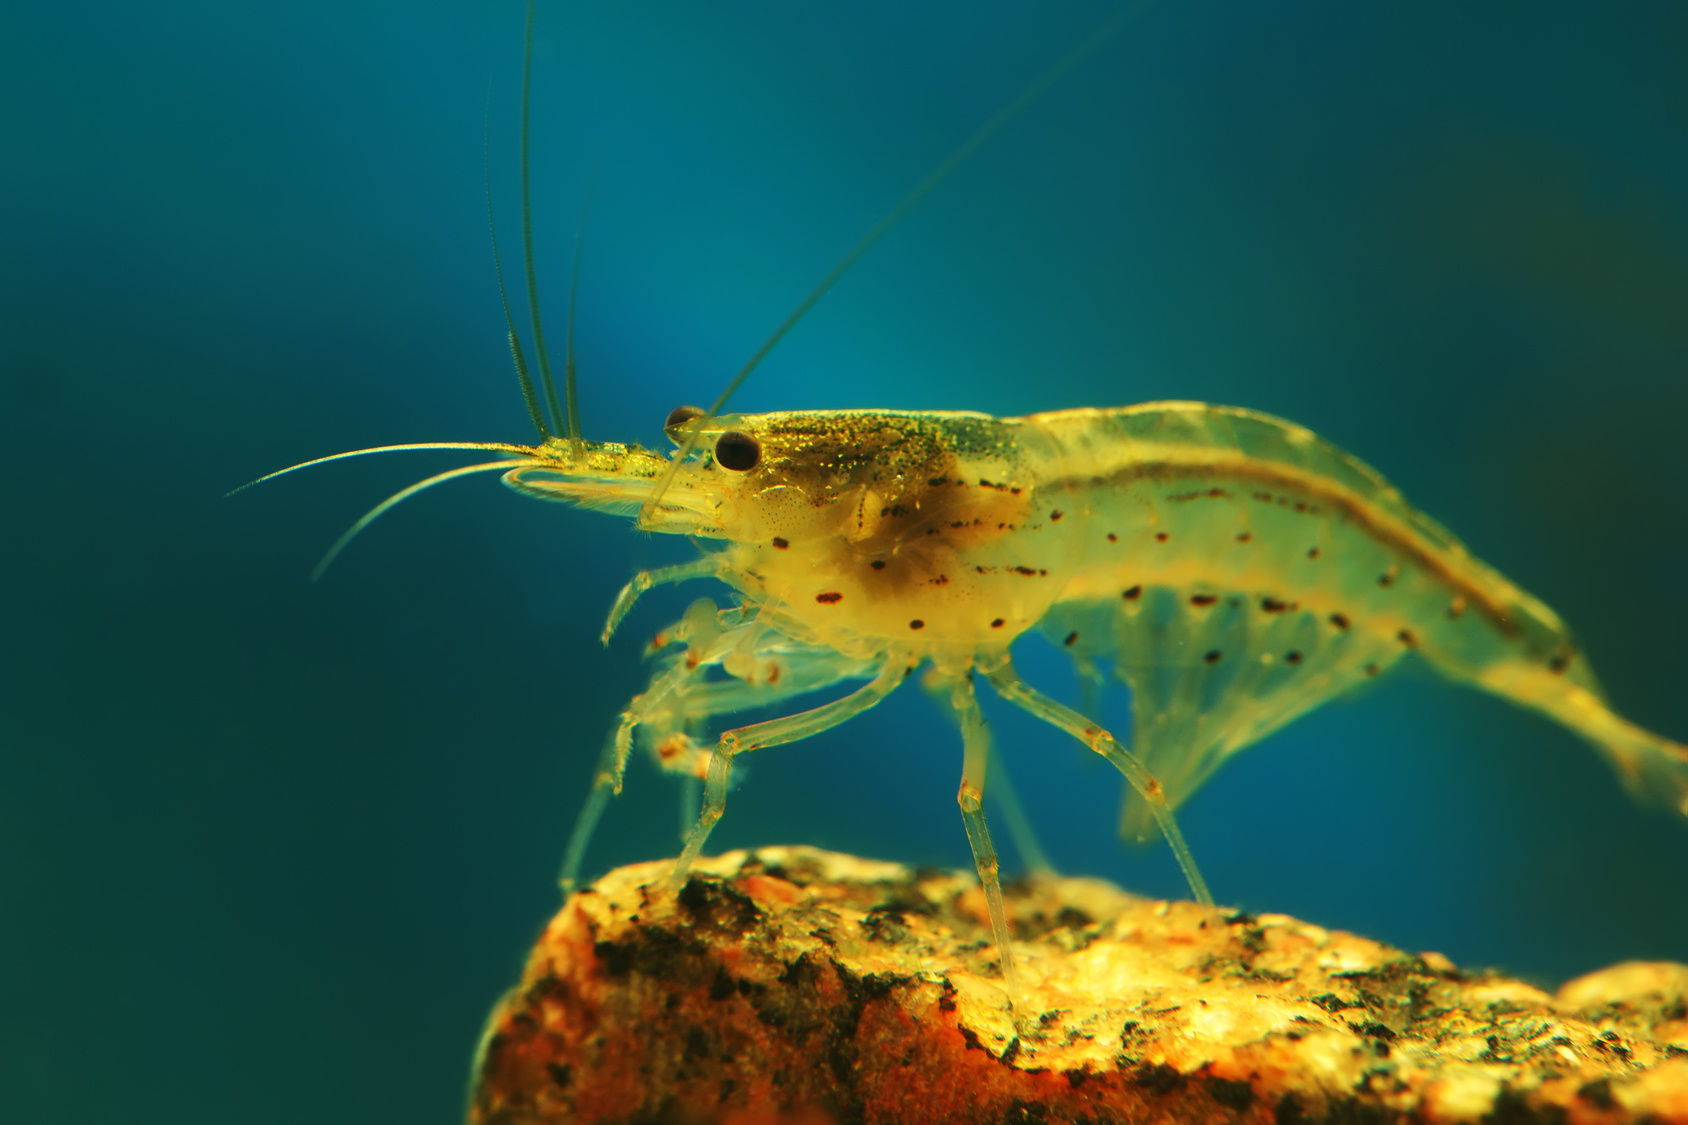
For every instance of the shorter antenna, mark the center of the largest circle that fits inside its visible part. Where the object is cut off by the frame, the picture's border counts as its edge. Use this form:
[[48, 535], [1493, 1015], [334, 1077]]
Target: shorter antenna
[[570, 396], [558, 419], [535, 411]]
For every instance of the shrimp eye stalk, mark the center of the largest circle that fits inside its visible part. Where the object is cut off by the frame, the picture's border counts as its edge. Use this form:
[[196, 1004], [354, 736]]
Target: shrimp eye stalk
[[737, 451]]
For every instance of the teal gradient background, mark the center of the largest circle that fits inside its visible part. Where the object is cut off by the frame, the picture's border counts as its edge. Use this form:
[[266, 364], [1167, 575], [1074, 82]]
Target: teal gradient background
[[268, 849]]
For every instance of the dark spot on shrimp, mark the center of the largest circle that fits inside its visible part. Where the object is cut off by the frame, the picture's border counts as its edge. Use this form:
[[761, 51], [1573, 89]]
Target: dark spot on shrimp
[[917, 624], [1406, 637], [1161, 537], [1372, 669], [1072, 638], [1200, 493], [1340, 620], [1312, 552], [1213, 656], [1244, 536], [1026, 570], [1202, 599], [831, 597], [1272, 605], [780, 544], [877, 564], [1132, 593], [1112, 538], [1292, 657], [1056, 514], [941, 580], [997, 623]]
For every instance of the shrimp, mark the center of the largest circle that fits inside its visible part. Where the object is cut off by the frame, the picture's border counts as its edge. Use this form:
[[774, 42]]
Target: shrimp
[[1234, 570]]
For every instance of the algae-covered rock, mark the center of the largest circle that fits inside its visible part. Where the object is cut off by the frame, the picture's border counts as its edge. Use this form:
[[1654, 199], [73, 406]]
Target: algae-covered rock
[[795, 985]]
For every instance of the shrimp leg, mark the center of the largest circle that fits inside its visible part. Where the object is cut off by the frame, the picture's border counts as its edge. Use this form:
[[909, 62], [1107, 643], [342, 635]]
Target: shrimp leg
[[791, 728], [1002, 788], [1011, 687], [705, 567], [612, 765], [976, 755]]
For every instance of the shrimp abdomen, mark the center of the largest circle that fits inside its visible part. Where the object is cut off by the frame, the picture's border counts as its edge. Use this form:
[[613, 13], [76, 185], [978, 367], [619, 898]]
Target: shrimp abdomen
[[1239, 571]]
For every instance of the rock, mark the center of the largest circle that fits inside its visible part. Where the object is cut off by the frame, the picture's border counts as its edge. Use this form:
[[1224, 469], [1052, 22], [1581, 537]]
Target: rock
[[804, 987]]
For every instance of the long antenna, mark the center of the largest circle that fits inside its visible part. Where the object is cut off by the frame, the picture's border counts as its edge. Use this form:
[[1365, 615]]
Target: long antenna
[[558, 419], [920, 191]]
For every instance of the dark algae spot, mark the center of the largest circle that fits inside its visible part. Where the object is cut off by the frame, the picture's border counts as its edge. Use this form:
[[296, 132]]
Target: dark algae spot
[[831, 597], [1072, 638], [996, 623], [780, 543], [1213, 656], [1292, 657], [720, 905], [1598, 1093], [1340, 620], [877, 564], [917, 624], [1132, 593], [1158, 1078], [1232, 1093], [1202, 600], [1161, 537]]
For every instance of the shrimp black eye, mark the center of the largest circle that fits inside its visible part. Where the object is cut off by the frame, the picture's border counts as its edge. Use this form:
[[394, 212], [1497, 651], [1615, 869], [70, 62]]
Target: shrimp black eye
[[737, 451], [680, 415]]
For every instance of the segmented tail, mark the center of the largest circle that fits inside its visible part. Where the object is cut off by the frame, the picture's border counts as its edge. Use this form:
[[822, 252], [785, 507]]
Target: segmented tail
[[1652, 768]]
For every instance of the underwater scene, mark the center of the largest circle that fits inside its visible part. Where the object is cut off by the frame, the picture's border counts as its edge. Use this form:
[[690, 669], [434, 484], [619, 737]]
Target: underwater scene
[[270, 848]]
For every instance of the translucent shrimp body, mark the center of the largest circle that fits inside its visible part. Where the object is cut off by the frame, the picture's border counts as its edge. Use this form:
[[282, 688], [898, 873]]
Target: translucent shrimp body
[[1234, 569]]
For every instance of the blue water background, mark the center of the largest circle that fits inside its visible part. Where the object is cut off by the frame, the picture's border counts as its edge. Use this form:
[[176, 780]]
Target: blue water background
[[268, 849]]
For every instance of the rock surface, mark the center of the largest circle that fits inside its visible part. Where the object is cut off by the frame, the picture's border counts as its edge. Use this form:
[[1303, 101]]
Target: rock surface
[[799, 986]]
